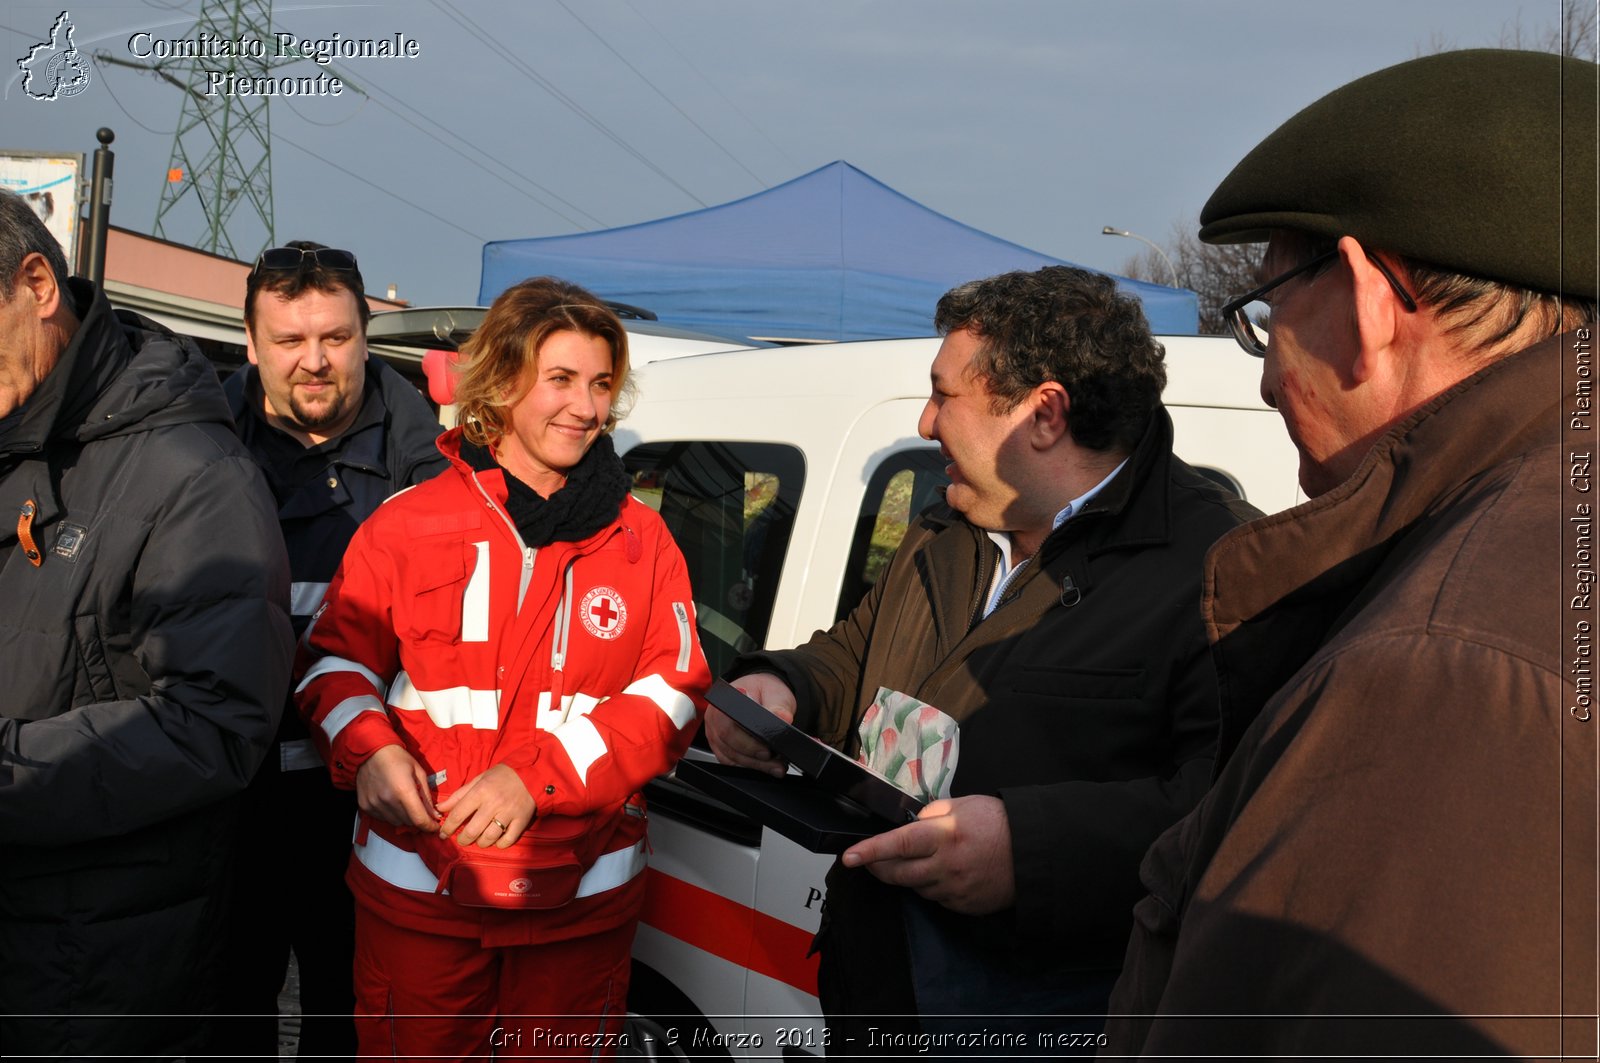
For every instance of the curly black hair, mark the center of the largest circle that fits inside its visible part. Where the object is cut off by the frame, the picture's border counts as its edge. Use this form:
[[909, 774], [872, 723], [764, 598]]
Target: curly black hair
[[1070, 326]]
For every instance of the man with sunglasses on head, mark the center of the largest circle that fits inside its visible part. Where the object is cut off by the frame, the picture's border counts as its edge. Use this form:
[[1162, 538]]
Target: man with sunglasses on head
[[336, 433], [1398, 853], [144, 658]]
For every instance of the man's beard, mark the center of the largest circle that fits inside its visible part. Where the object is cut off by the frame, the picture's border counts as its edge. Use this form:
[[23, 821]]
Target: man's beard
[[327, 410]]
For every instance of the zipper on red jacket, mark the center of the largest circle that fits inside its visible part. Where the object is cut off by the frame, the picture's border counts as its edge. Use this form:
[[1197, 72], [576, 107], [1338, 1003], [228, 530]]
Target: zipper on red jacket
[[527, 575], [563, 627], [527, 551], [563, 615], [558, 641]]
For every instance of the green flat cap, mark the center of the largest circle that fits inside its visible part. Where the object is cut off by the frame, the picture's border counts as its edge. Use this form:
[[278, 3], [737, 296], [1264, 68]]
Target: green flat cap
[[1483, 162]]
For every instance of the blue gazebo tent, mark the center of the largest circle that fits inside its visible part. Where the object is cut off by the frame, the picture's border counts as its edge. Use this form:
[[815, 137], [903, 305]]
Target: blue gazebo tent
[[831, 255]]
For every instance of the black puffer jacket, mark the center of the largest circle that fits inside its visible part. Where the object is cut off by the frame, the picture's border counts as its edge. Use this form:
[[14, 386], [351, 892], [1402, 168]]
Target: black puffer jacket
[[145, 661]]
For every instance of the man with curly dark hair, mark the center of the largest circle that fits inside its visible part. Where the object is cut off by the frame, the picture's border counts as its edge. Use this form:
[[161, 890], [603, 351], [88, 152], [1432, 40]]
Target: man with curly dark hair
[[1043, 622], [1069, 326]]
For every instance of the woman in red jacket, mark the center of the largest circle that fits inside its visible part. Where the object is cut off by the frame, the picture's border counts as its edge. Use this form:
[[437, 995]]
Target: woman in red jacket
[[506, 656]]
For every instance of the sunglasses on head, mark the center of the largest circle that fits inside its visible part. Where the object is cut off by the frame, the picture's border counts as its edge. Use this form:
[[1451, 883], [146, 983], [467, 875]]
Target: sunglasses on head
[[277, 258]]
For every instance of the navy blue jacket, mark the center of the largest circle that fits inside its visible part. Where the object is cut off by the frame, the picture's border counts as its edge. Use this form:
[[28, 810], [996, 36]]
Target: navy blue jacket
[[325, 492]]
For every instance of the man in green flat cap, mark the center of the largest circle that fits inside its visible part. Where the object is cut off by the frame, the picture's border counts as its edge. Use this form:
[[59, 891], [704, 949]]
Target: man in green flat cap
[[1398, 854]]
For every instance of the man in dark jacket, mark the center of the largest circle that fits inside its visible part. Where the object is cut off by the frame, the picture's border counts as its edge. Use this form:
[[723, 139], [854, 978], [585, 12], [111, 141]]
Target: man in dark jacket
[[145, 648], [1398, 857], [336, 433], [1051, 609]]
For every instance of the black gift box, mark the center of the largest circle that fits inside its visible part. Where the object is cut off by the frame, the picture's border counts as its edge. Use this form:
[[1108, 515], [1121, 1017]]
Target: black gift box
[[834, 802]]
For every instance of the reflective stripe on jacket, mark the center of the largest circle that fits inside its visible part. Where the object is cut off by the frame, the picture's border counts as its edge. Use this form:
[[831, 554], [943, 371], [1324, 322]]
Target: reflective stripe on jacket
[[576, 664]]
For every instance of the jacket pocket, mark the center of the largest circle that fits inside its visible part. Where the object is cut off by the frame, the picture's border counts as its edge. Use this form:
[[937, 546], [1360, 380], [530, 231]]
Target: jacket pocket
[[435, 598], [92, 662], [1087, 684], [1097, 724]]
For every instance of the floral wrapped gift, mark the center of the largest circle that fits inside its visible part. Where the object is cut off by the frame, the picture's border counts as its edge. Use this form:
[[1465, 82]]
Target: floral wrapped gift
[[910, 743]]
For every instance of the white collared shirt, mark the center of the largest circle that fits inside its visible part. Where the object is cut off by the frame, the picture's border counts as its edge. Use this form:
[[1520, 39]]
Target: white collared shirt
[[1004, 572]]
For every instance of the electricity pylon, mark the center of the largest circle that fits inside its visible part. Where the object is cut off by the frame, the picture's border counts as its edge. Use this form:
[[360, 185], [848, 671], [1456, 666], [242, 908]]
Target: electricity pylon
[[222, 150]]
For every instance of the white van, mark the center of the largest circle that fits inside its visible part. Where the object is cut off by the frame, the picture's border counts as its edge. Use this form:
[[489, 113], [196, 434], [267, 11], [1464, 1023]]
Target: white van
[[787, 476]]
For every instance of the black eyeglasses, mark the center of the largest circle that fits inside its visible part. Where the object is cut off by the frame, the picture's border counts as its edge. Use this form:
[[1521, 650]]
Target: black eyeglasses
[[1252, 329], [276, 258]]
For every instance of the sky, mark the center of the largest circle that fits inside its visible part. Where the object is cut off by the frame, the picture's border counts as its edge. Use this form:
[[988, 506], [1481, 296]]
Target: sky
[[1040, 121]]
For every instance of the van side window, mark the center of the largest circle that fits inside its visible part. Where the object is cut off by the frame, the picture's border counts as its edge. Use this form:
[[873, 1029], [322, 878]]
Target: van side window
[[907, 482], [730, 507]]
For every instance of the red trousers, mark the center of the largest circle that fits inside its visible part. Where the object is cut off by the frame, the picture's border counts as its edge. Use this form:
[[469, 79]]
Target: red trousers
[[421, 995]]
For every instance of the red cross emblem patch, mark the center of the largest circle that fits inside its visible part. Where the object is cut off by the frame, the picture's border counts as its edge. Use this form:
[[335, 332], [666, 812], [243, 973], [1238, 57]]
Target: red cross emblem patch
[[603, 612]]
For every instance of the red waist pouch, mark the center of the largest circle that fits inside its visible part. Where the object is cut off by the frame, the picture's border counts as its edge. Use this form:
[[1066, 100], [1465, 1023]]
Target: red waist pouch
[[542, 870]]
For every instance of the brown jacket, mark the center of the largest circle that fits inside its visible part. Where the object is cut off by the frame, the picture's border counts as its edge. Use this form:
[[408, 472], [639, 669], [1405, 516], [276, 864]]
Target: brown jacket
[[1086, 704], [1403, 823]]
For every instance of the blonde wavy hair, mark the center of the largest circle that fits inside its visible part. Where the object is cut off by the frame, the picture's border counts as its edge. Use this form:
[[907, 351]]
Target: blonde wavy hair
[[507, 344]]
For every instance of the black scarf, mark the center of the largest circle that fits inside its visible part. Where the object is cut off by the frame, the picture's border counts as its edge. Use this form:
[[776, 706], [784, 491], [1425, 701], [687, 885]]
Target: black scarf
[[591, 498]]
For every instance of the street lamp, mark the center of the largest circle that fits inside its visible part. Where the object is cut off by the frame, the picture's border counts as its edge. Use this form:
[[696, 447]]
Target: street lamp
[[1111, 230]]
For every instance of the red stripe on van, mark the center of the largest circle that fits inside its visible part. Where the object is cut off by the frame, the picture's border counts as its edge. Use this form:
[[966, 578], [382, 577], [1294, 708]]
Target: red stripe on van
[[742, 936]]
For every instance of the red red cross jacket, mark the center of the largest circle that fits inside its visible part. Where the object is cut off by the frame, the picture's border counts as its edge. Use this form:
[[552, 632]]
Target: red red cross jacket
[[576, 664]]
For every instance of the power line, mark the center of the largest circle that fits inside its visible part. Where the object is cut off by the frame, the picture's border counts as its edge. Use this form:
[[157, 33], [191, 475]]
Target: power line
[[466, 23], [103, 57], [352, 116], [385, 191], [106, 58], [223, 143], [473, 155], [107, 83], [712, 84], [319, 158], [656, 89]]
